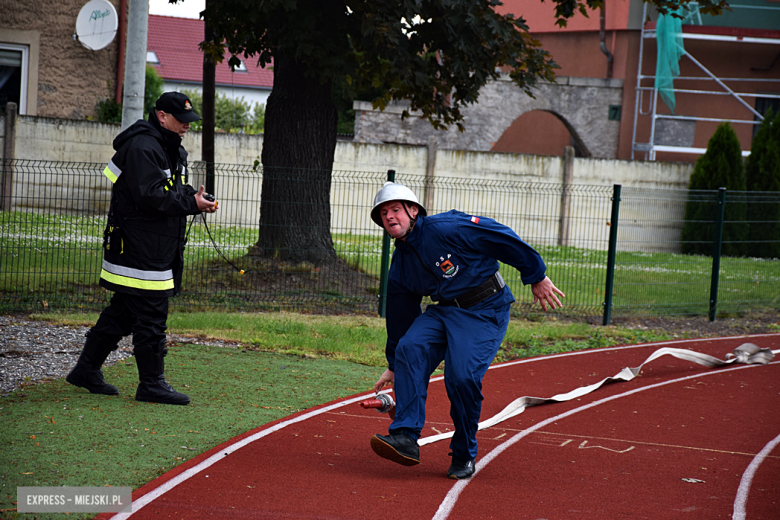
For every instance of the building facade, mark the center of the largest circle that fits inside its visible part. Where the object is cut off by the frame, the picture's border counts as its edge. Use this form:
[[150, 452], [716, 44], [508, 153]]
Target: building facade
[[730, 71], [173, 50], [47, 70]]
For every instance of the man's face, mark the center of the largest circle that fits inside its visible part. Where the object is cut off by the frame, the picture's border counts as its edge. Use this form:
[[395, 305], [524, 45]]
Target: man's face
[[394, 218], [169, 122]]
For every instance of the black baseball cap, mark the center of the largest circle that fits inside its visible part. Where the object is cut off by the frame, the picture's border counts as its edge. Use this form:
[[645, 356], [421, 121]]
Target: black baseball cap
[[178, 105]]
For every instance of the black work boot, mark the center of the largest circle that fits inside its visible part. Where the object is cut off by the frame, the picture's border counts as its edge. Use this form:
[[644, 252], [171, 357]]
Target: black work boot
[[87, 373], [398, 447], [461, 469], [152, 386]]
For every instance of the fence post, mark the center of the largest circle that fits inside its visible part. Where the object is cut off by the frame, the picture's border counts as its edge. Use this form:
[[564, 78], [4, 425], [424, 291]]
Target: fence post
[[568, 176], [9, 151], [430, 170], [716, 253], [385, 262], [613, 229]]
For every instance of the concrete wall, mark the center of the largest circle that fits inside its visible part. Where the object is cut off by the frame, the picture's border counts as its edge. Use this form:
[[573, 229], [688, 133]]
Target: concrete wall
[[55, 139], [523, 191]]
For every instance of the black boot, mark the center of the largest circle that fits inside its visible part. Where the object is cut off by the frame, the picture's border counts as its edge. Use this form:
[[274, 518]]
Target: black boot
[[153, 388], [461, 468], [398, 447], [87, 373]]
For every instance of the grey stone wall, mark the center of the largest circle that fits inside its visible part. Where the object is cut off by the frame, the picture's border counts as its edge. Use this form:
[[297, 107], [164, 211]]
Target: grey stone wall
[[582, 104]]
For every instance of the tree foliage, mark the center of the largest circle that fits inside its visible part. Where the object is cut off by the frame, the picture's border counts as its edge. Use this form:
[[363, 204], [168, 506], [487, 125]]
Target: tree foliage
[[762, 174], [719, 167], [435, 55], [230, 115], [109, 111], [153, 88]]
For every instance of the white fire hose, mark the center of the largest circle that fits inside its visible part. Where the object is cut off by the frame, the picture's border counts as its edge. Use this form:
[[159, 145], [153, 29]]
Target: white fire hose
[[747, 353]]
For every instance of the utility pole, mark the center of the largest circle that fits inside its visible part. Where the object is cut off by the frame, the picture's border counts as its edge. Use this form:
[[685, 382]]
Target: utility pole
[[135, 62], [208, 115]]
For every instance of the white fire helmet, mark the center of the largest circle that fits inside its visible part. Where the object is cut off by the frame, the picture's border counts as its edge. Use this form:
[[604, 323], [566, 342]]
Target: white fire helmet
[[392, 191]]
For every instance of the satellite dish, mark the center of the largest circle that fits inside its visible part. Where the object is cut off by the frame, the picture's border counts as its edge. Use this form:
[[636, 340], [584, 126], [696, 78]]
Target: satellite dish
[[96, 24]]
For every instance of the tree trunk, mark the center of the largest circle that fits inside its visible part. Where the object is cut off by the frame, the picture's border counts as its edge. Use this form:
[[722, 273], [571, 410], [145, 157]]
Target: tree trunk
[[298, 149]]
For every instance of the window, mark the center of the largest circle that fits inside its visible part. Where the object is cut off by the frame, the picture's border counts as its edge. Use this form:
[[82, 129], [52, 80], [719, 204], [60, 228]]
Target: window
[[13, 76], [240, 68], [762, 107], [151, 57]]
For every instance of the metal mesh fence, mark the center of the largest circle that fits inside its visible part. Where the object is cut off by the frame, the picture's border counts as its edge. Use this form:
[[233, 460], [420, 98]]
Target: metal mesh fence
[[53, 216], [666, 252]]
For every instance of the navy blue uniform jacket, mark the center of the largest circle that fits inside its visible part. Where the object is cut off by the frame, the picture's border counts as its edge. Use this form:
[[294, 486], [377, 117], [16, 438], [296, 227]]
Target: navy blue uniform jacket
[[444, 257]]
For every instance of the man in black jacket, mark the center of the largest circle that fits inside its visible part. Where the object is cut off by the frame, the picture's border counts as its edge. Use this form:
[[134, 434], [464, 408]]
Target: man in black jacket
[[143, 246]]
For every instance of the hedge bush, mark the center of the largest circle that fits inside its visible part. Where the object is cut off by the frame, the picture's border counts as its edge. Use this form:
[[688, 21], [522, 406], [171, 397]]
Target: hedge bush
[[762, 173], [720, 167]]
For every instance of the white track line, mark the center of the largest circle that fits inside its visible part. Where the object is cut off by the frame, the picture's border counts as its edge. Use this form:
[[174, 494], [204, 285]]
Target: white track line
[[178, 479], [445, 508], [747, 479]]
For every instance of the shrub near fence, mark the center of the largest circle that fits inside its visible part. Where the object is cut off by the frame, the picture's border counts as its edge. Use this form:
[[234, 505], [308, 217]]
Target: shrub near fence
[[52, 224]]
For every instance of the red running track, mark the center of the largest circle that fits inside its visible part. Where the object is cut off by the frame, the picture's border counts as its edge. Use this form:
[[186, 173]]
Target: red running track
[[678, 441]]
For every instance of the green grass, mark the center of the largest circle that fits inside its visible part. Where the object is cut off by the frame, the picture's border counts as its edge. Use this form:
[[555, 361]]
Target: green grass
[[359, 339], [361, 252], [662, 283]]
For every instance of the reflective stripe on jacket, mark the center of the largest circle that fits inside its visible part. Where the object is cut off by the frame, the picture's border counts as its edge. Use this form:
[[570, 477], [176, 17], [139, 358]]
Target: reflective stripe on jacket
[[150, 200]]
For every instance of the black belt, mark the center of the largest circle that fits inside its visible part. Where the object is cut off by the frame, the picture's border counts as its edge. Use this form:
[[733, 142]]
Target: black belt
[[493, 284]]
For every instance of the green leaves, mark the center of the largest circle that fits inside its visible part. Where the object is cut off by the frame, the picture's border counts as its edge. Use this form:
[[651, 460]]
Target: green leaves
[[230, 115], [435, 54]]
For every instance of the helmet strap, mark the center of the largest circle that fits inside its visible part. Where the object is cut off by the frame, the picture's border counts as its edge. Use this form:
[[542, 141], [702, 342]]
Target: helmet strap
[[412, 220]]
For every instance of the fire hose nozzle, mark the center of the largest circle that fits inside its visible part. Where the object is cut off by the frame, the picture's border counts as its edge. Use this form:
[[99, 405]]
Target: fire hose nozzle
[[382, 403]]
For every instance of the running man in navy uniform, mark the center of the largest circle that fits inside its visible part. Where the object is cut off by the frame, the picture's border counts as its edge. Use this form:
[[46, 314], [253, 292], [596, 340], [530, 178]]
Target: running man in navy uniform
[[453, 258]]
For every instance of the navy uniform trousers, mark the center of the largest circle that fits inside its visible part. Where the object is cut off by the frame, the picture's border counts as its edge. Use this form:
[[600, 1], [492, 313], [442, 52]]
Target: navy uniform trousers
[[466, 340]]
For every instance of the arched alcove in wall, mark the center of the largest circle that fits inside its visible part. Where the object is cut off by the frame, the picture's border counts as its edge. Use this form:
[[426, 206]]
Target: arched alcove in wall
[[540, 132], [579, 106]]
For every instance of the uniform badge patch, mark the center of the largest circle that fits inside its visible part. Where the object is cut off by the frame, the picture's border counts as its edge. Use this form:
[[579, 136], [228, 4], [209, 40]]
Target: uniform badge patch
[[475, 220], [447, 266]]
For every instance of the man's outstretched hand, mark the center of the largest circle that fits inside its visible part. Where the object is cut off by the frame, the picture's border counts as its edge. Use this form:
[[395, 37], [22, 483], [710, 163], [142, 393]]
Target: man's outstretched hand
[[547, 294]]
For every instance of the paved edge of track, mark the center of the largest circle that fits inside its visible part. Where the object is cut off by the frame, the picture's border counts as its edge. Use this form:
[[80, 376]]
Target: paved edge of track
[[159, 486]]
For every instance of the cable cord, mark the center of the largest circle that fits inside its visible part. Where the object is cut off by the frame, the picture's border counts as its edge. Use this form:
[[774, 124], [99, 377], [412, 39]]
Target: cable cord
[[213, 242]]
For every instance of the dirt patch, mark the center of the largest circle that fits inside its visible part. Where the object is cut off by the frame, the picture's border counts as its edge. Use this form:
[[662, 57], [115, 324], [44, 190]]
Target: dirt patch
[[701, 327], [267, 284]]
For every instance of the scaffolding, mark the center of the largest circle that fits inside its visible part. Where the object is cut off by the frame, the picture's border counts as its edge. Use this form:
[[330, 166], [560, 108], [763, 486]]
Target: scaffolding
[[649, 94]]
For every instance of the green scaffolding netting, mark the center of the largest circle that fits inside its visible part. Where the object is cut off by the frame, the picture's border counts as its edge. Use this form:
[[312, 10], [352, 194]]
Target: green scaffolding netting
[[670, 49]]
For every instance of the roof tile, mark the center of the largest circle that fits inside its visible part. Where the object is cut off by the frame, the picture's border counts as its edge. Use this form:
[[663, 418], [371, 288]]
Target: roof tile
[[175, 41]]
